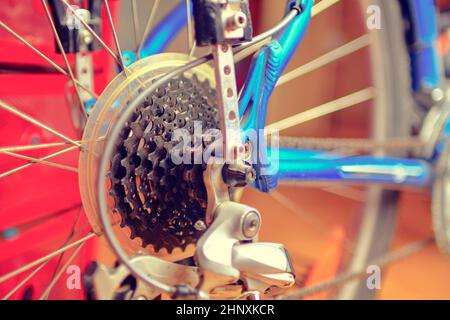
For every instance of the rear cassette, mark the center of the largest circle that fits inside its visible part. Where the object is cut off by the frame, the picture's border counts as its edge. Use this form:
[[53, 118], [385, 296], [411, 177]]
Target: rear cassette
[[161, 202]]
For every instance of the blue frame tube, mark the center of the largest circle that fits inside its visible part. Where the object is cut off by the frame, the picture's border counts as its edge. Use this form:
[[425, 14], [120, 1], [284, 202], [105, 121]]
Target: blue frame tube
[[307, 165], [426, 68], [267, 67]]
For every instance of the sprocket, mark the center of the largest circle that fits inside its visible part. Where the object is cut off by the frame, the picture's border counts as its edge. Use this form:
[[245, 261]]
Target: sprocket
[[161, 202]]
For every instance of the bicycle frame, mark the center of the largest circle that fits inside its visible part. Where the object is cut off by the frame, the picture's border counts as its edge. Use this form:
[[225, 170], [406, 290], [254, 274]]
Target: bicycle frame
[[315, 166]]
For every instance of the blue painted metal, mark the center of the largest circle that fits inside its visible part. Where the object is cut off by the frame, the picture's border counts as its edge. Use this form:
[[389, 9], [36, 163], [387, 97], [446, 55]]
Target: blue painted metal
[[266, 68], [306, 165], [423, 35]]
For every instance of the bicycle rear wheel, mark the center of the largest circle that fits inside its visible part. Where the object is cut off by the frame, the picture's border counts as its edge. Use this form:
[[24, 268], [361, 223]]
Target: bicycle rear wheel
[[389, 118]]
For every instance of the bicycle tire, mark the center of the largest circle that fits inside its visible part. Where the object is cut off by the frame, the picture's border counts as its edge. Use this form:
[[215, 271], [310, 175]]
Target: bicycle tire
[[392, 118]]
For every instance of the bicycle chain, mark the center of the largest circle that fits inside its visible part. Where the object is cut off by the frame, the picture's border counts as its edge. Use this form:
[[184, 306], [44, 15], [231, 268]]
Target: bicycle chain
[[345, 277], [160, 202], [351, 146]]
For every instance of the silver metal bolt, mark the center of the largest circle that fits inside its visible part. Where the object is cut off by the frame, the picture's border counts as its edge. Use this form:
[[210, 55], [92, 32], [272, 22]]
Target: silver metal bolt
[[437, 94], [86, 37], [200, 225], [250, 224], [237, 21], [255, 295]]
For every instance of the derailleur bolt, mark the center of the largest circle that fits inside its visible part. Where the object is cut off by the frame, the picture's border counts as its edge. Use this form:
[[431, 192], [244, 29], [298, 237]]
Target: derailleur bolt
[[199, 225], [236, 21], [238, 174], [250, 224]]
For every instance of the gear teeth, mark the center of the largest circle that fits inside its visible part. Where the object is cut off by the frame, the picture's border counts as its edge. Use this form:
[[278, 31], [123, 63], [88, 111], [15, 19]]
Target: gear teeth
[[158, 201], [132, 234], [137, 129], [140, 171]]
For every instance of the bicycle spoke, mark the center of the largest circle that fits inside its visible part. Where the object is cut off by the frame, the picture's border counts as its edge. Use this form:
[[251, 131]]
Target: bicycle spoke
[[136, 28], [26, 117], [341, 103], [7, 173], [36, 160], [190, 33], [36, 222], [346, 192], [69, 237], [66, 61], [44, 145], [311, 219], [325, 59], [323, 110], [46, 258], [24, 281], [93, 33], [241, 55], [292, 206], [34, 146], [46, 292], [43, 56], [194, 47], [338, 189], [148, 27], [114, 33], [28, 277], [247, 50], [322, 6]]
